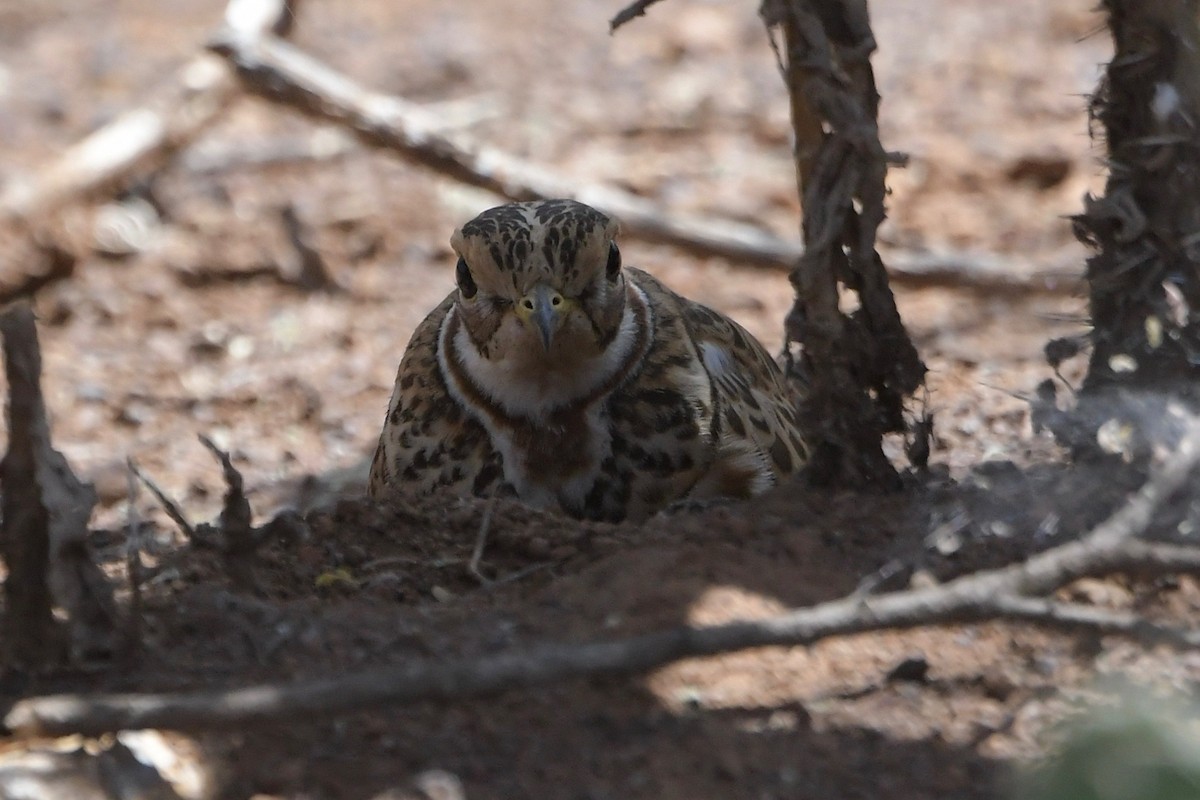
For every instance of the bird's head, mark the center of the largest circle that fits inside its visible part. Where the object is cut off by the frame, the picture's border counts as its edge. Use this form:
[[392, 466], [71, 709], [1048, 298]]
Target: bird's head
[[540, 285]]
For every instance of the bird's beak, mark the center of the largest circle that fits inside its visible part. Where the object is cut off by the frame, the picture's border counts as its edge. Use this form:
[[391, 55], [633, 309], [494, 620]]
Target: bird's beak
[[544, 307]]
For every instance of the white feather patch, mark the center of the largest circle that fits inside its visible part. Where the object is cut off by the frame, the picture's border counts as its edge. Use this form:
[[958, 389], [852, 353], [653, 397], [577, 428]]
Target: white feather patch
[[716, 360]]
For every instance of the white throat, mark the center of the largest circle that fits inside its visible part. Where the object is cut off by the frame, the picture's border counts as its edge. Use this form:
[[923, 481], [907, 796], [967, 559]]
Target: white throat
[[520, 398]]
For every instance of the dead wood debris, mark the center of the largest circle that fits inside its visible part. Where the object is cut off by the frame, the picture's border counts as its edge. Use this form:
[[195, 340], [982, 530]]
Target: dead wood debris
[[45, 516], [234, 534], [1017, 593]]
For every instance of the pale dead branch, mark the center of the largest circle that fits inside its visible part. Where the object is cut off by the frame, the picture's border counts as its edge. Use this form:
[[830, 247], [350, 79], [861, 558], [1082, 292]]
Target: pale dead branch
[[284, 74], [134, 144], [1013, 593], [146, 138]]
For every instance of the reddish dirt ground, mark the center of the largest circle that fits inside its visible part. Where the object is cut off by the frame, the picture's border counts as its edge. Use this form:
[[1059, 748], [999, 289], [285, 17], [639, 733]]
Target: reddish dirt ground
[[195, 333]]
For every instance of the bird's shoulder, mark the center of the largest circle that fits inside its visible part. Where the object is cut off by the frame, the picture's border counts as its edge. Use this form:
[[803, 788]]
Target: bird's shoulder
[[753, 399], [732, 357], [428, 439]]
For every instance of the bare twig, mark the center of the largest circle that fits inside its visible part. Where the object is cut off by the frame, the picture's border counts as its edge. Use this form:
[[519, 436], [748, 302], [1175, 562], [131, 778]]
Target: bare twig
[[308, 271], [170, 506], [234, 534], [133, 559], [485, 526], [628, 13], [1050, 613], [1000, 594]]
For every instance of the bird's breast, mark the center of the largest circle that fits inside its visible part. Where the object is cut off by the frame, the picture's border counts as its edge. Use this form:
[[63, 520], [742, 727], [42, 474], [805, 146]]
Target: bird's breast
[[563, 447], [553, 440]]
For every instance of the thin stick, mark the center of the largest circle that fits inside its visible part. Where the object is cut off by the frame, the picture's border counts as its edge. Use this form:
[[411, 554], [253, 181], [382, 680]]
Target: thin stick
[[173, 510], [629, 13], [485, 526], [133, 559]]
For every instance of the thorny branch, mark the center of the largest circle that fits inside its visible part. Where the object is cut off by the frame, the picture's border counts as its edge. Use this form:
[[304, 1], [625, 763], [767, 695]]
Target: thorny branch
[[1015, 592]]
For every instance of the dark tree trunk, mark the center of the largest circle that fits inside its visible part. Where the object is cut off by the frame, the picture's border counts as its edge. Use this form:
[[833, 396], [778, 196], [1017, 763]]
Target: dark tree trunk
[[860, 363], [1144, 279]]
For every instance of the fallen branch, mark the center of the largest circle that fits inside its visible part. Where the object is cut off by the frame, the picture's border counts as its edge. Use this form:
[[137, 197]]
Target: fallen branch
[[143, 139], [993, 595], [284, 74], [236, 155], [135, 142]]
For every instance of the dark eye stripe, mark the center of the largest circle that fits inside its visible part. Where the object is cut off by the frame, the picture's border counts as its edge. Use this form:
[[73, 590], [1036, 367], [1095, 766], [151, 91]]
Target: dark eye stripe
[[462, 276], [613, 268]]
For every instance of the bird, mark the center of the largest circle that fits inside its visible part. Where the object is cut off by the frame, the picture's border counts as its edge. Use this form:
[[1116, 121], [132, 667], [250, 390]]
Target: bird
[[556, 375]]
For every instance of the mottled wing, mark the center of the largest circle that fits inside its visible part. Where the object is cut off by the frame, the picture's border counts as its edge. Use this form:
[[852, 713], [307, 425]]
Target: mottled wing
[[661, 420], [428, 441], [755, 404]]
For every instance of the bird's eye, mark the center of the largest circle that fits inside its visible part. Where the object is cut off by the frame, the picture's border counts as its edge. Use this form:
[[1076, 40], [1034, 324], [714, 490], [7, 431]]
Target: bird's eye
[[613, 269], [466, 284]]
